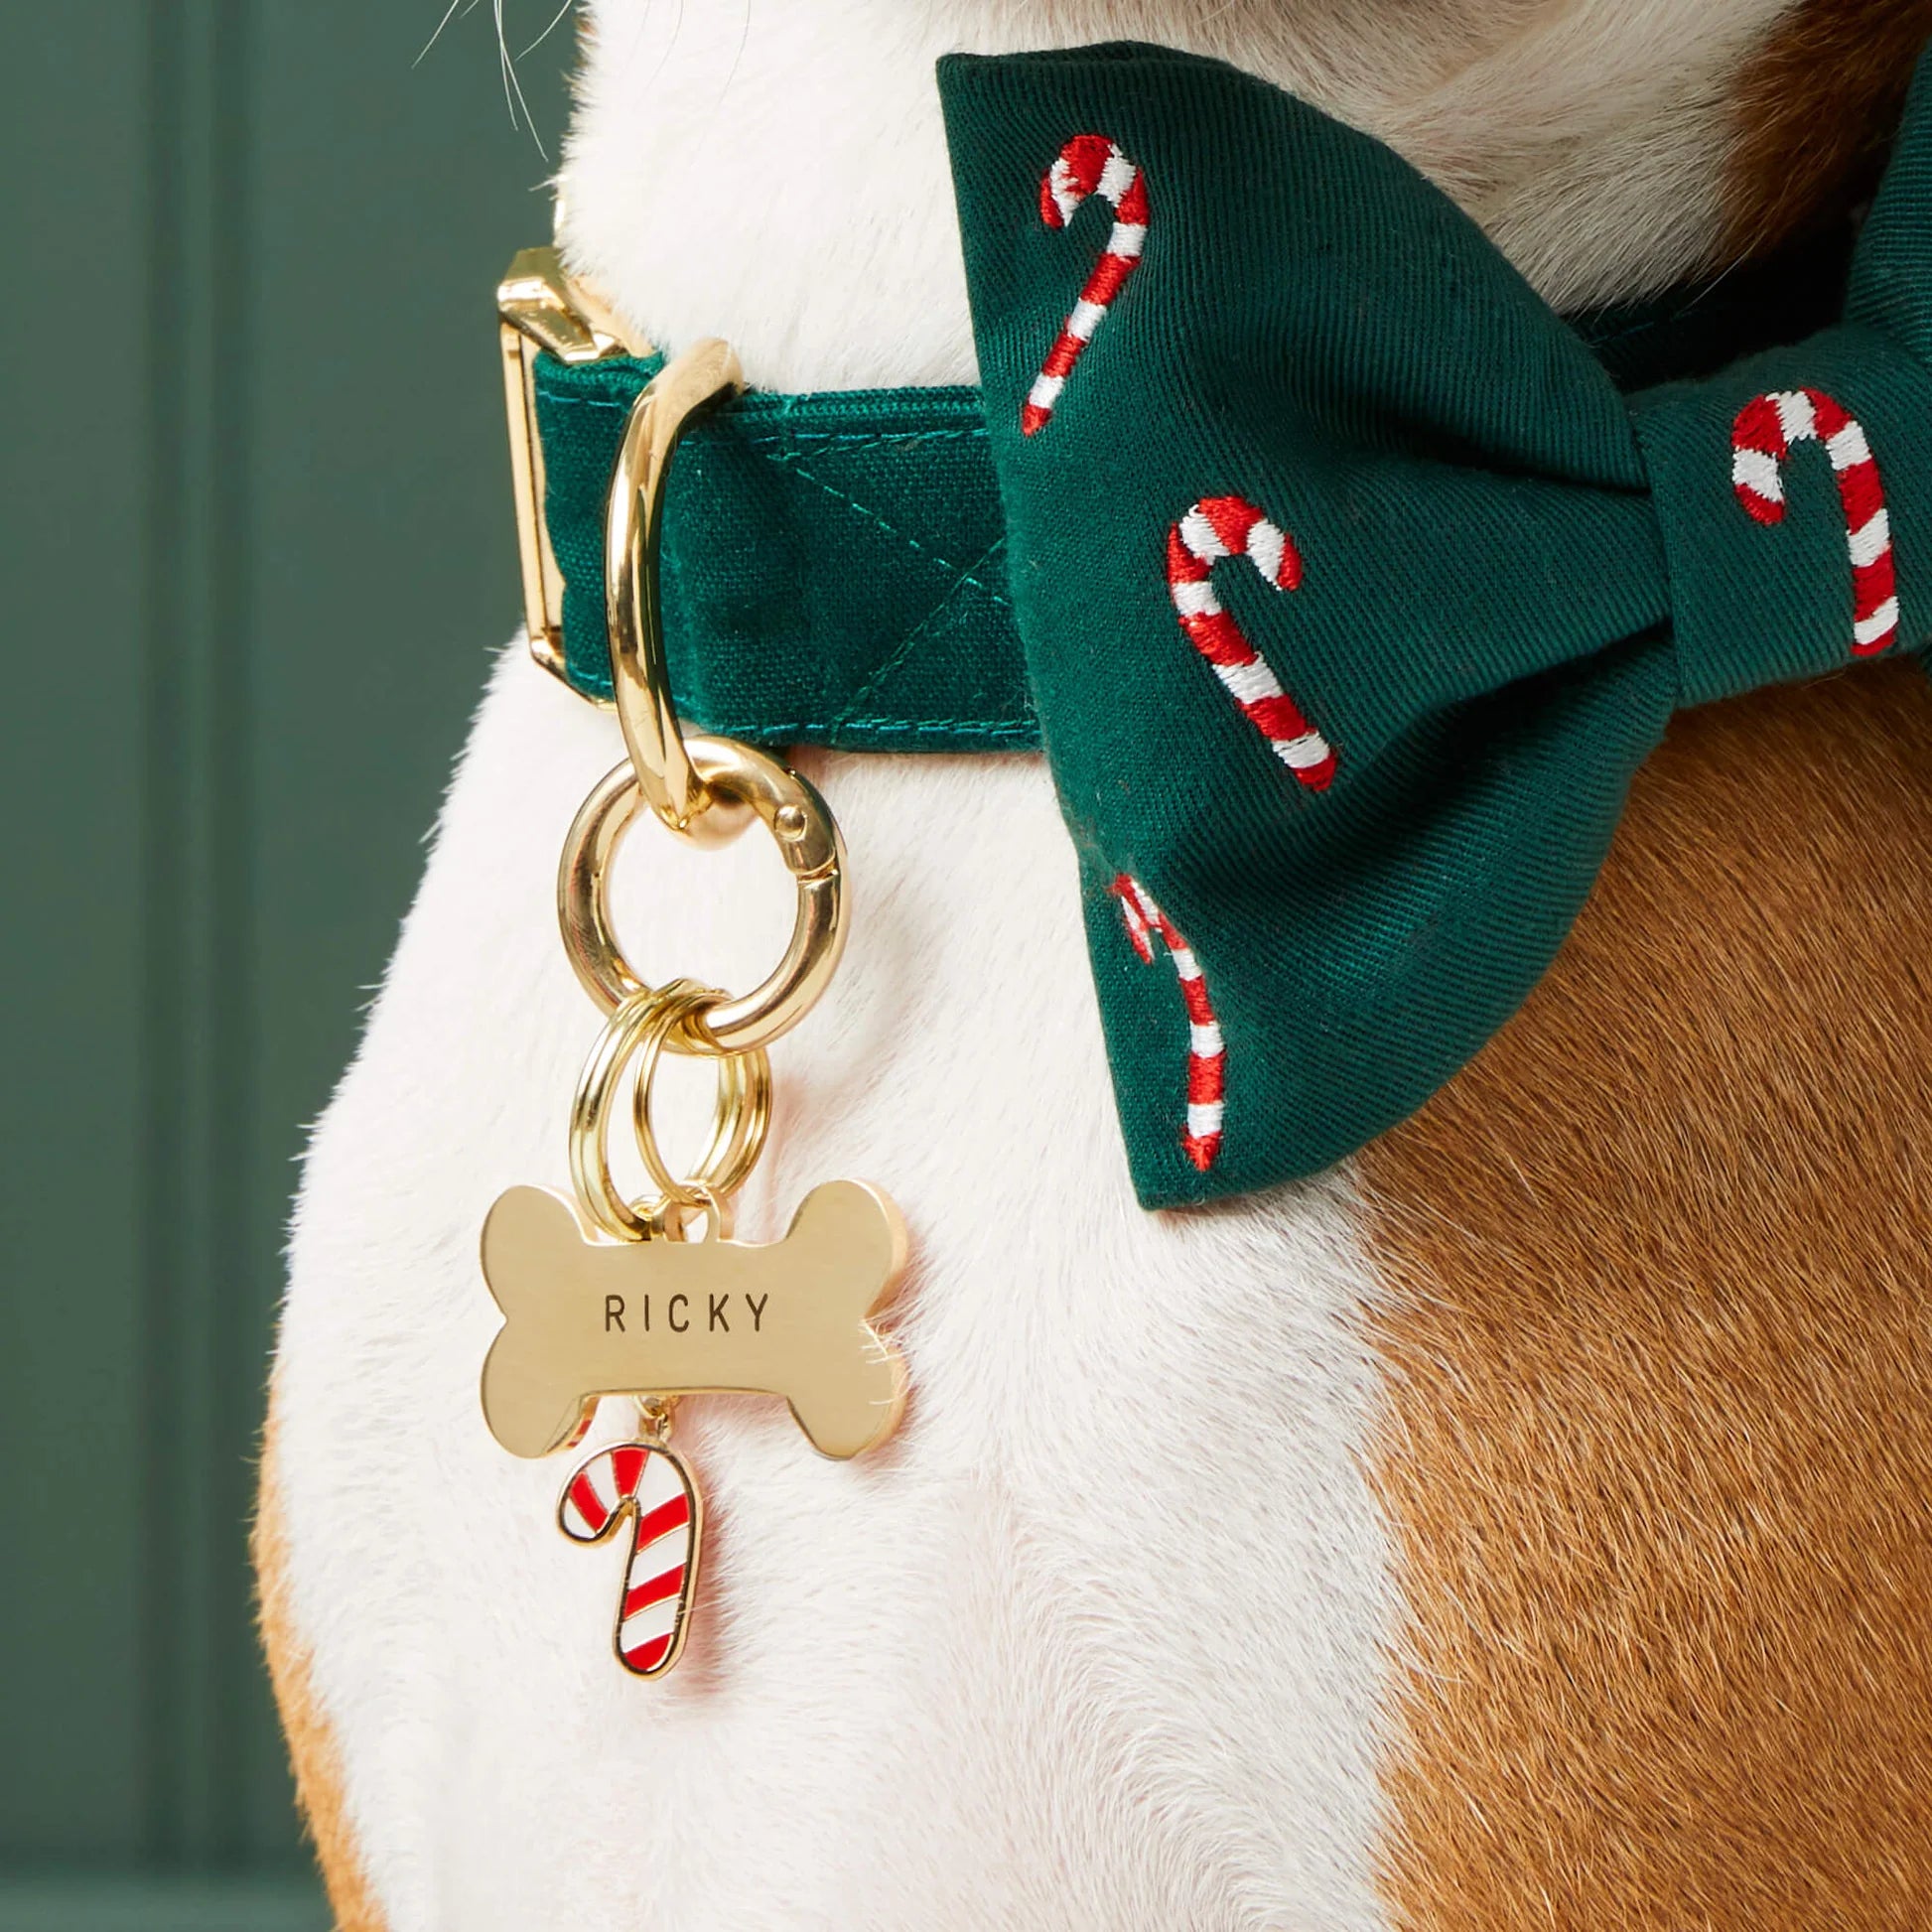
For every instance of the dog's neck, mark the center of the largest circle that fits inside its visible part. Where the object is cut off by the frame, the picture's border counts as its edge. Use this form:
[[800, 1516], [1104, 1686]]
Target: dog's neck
[[774, 170]]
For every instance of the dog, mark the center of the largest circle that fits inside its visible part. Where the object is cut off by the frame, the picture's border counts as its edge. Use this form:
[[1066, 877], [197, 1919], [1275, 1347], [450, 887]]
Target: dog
[[1524, 1524]]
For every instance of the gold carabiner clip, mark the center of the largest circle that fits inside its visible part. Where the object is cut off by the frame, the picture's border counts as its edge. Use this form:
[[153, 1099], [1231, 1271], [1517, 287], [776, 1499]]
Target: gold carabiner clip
[[690, 385]]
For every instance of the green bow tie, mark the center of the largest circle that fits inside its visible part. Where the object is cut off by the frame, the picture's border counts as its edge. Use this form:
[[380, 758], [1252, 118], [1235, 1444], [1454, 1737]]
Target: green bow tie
[[1352, 590]]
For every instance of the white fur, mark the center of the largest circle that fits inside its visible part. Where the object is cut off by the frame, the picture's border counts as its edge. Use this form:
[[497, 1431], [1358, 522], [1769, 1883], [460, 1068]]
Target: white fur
[[775, 170], [1094, 1644], [1103, 1640]]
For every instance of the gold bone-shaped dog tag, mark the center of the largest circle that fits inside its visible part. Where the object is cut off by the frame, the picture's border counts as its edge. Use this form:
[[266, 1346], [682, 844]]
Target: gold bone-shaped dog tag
[[585, 1317]]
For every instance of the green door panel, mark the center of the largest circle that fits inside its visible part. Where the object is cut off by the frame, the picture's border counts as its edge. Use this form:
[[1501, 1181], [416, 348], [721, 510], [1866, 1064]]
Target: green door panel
[[256, 554], [73, 1157]]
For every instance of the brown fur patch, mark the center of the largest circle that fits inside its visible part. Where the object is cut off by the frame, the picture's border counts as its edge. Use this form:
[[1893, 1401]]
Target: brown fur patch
[[1816, 111], [1659, 1462], [310, 1738]]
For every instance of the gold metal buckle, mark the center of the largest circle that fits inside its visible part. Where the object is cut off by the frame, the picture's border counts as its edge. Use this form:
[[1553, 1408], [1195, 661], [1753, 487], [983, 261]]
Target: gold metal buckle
[[540, 308]]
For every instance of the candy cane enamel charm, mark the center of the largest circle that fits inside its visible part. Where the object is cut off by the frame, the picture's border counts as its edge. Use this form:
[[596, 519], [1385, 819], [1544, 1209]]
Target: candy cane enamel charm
[[605, 1297], [645, 1485]]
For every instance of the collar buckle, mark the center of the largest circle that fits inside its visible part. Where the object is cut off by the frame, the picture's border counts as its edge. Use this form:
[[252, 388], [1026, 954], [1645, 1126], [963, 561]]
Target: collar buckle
[[540, 307]]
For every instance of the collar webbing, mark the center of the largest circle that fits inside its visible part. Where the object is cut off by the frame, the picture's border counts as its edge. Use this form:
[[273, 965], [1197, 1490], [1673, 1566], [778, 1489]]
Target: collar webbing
[[834, 565]]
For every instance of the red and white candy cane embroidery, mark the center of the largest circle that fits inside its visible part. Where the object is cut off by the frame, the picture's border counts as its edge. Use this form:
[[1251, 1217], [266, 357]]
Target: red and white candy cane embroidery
[[1231, 526], [1762, 438], [1089, 164], [1207, 1051], [650, 1486]]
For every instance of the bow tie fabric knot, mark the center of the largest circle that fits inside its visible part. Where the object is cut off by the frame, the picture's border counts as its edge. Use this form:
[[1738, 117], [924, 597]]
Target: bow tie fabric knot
[[1353, 591]]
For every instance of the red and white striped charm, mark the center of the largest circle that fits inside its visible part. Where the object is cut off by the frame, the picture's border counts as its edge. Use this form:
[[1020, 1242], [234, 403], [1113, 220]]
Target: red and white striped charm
[[1231, 526], [1089, 164], [646, 1484], [1767, 428], [1206, 1050]]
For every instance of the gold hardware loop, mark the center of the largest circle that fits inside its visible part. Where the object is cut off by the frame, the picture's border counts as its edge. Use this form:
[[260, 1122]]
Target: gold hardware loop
[[703, 377], [640, 1028], [655, 1415], [674, 1219], [808, 842]]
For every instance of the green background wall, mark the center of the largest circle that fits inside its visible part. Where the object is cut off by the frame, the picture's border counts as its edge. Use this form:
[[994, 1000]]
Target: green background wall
[[256, 550]]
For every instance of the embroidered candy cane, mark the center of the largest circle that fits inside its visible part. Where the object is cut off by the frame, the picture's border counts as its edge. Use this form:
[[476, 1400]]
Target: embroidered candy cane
[[652, 1487], [1089, 164], [1207, 1051], [1231, 526], [1762, 438]]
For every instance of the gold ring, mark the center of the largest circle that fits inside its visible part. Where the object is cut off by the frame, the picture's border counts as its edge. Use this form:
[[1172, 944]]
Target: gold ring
[[672, 1220], [640, 1028], [808, 841], [685, 389]]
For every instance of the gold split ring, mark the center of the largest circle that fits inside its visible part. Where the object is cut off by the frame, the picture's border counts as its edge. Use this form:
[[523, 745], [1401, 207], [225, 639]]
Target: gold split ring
[[640, 1028]]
